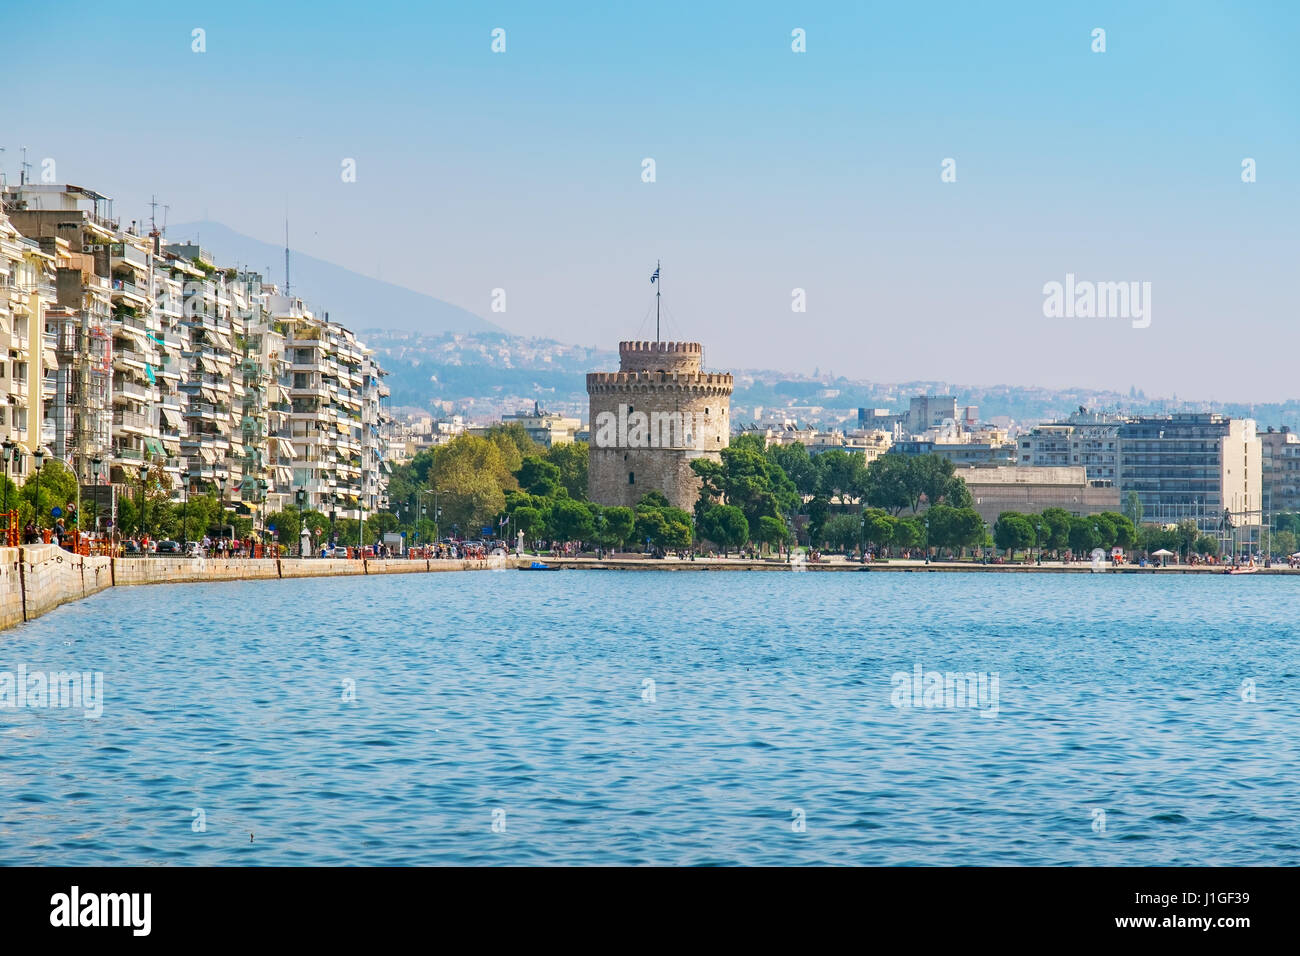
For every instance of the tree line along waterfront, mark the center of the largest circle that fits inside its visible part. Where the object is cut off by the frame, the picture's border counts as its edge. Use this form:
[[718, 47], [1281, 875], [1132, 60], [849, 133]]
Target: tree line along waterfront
[[757, 497]]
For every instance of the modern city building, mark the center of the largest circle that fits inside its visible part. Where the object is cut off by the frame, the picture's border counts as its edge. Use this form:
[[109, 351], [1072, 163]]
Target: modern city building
[[1280, 454], [545, 428], [1198, 466], [1090, 439]]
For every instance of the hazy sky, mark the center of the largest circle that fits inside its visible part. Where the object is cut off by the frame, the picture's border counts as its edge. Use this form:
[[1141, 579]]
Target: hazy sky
[[775, 170]]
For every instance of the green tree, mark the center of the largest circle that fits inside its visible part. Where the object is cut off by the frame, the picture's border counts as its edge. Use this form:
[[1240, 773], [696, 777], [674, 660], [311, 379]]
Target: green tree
[[890, 483], [286, 524], [1084, 535], [773, 532], [1187, 533], [1133, 508], [954, 528], [571, 459], [841, 532], [514, 443], [618, 525], [935, 478], [878, 527], [818, 510], [908, 533], [793, 459], [1012, 532], [652, 499], [1208, 545], [570, 521], [840, 475], [1124, 534], [537, 476], [472, 475], [664, 527], [1058, 529], [748, 480], [531, 521], [1106, 530], [725, 526]]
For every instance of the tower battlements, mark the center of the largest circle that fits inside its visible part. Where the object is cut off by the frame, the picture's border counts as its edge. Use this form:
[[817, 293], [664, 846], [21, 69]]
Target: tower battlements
[[660, 356], [716, 383]]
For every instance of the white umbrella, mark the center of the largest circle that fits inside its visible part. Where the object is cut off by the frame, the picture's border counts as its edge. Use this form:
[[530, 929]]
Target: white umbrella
[[1162, 554], [1296, 555]]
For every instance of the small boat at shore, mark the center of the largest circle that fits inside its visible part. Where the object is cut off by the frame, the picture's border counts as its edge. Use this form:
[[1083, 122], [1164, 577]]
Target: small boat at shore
[[541, 566], [1242, 569]]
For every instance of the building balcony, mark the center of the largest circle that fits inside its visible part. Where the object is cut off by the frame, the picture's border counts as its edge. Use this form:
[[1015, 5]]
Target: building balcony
[[131, 392]]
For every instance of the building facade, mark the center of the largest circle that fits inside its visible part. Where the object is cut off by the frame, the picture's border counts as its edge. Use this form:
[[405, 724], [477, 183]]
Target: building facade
[[149, 358], [1033, 489], [1089, 439], [1195, 466], [1280, 454], [649, 420]]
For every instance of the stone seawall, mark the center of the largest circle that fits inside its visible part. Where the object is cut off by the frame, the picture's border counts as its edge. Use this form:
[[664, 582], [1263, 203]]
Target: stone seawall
[[35, 579]]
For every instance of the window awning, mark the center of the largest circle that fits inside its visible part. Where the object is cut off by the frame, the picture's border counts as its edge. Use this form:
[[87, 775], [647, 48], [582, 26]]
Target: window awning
[[172, 417], [285, 447], [284, 476], [208, 455]]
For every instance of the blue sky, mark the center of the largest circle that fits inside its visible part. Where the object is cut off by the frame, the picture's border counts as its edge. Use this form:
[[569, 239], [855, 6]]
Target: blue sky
[[775, 170]]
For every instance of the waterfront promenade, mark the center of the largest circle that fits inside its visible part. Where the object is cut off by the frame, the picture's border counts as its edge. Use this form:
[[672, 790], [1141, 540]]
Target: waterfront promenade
[[35, 579], [630, 562]]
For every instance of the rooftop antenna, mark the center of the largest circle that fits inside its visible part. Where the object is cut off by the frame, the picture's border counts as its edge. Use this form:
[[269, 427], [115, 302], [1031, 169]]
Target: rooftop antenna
[[286, 255], [22, 169]]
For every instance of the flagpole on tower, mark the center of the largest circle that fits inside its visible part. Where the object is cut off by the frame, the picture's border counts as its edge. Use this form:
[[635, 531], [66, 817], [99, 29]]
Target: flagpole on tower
[[658, 286]]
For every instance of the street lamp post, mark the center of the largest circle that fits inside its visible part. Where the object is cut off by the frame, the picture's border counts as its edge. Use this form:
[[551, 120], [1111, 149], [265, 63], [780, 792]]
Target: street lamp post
[[300, 496], [437, 512], [185, 508], [39, 455], [9, 446], [96, 461], [144, 497]]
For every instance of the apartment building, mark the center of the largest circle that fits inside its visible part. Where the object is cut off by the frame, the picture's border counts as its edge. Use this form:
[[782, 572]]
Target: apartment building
[[1193, 466], [1089, 439], [545, 428], [27, 292], [143, 355], [1280, 463], [337, 415]]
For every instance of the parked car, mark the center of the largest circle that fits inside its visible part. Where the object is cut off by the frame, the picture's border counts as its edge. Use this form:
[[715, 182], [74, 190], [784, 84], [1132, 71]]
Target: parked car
[[169, 547], [193, 549], [130, 547]]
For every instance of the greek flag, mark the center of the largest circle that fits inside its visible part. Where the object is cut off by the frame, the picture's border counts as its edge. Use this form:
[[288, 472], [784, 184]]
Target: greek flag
[[655, 278]]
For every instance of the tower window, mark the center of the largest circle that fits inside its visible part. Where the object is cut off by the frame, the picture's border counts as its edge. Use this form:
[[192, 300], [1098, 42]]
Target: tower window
[[631, 478]]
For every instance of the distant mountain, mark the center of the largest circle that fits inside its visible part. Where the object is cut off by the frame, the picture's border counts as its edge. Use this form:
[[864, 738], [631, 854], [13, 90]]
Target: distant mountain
[[482, 375], [357, 301]]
